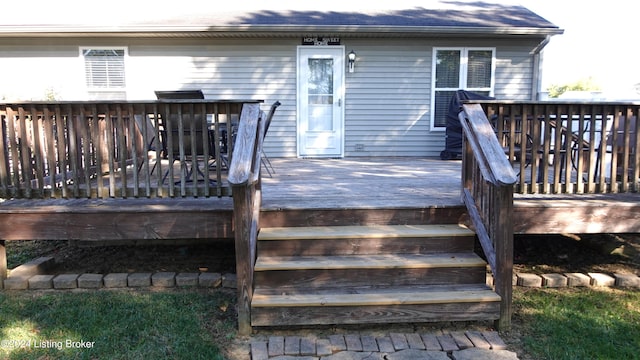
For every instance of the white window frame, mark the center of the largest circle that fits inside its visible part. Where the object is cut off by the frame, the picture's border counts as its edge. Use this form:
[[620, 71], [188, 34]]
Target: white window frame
[[97, 90], [462, 82]]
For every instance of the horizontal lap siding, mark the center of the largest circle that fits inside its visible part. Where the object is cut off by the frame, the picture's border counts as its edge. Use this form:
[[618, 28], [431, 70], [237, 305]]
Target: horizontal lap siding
[[262, 69], [389, 94], [387, 100], [514, 71]]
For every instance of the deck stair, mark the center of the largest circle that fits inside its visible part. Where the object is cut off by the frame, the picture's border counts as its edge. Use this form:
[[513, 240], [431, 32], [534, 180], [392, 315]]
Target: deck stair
[[369, 274]]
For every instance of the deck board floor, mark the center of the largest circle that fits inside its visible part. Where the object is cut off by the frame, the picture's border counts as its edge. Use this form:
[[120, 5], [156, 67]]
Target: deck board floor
[[386, 182], [361, 183]]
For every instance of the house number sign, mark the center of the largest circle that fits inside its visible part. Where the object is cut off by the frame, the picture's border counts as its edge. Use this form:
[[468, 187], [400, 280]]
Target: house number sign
[[320, 41]]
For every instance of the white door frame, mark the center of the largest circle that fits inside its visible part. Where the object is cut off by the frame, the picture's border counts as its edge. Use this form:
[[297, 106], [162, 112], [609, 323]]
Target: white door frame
[[337, 135]]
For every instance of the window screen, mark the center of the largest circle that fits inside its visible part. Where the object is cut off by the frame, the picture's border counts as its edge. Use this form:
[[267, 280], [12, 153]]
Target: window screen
[[104, 68]]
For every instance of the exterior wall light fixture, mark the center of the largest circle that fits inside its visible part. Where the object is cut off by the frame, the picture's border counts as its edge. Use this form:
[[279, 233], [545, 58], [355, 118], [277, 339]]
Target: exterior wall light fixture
[[351, 60]]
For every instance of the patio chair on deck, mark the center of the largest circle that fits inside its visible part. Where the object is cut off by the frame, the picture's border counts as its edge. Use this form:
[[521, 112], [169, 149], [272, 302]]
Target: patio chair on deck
[[192, 136], [607, 145], [194, 141], [142, 122], [263, 157]]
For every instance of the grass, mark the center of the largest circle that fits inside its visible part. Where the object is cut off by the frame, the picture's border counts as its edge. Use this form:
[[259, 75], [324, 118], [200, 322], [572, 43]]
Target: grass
[[176, 324], [585, 323]]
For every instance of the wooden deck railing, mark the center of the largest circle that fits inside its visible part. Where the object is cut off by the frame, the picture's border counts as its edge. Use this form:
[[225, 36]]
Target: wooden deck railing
[[562, 147], [244, 176], [116, 149], [487, 191]]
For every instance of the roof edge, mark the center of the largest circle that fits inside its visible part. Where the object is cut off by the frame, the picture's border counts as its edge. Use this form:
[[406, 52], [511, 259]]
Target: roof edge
[[268, 30]]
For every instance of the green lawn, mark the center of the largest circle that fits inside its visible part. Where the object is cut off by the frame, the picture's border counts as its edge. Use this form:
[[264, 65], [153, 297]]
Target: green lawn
[[575, 323], [124, 324], [578, 323]]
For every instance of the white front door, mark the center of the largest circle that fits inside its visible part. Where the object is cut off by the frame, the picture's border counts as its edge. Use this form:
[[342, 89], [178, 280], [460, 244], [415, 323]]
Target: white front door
[[320, 101]]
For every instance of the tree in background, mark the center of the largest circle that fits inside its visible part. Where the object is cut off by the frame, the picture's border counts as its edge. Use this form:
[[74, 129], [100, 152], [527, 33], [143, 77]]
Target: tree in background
[[587, 84]]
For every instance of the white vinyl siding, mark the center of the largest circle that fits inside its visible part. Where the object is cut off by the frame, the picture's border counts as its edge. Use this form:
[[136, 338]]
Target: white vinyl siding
[[387, 98], [226, 69], [513, 77]]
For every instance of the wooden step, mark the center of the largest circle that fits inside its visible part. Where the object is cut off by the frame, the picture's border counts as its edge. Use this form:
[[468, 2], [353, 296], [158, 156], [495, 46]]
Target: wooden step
[[376, 239], [306, 306], [371, 231], [362, 270], [398, 261], [373, 274]]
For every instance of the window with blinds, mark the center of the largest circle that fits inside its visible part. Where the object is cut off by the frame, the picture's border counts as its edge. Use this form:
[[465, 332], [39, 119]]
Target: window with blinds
[[105, 72], [455, 69]]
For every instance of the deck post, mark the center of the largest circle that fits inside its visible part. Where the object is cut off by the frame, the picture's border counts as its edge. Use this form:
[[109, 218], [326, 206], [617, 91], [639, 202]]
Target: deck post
[[3, 263], [244, 177], [243, 219], [503, 237]]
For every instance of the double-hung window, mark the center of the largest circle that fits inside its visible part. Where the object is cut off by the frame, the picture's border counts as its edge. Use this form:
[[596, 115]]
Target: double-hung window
[[104, 70], [455, 69]]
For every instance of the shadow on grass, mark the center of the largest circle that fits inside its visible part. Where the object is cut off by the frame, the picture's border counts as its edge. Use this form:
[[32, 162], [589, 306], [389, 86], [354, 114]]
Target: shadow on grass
[[173, 324]]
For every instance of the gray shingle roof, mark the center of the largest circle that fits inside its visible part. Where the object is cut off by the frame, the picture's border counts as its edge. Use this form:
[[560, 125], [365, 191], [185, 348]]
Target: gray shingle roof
[[494, 16], [443, 16]]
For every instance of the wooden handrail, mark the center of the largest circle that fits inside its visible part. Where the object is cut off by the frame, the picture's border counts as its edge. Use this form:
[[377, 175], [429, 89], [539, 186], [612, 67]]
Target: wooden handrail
[[244, 177], [487, 191], [241, 170], [494, 165]]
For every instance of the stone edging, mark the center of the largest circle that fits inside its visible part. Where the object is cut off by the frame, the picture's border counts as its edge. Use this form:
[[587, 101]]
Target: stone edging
[[120, 280], [213, 280], [32, 275], [556, 280]]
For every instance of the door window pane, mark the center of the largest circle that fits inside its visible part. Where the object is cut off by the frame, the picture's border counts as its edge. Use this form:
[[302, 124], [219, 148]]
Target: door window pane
[[320, 118], [320, 81], [320, 95]]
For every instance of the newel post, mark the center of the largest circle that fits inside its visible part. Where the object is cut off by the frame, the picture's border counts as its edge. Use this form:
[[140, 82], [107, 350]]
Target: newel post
[[244, 177], [244, 199], [503, 239]]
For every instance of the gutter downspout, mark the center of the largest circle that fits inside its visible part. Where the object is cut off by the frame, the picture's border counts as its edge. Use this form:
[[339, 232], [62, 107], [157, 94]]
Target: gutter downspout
[[537, 69]]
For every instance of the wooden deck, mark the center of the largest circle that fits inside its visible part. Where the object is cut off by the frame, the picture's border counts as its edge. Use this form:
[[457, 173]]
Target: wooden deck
[[303, 188], [104, 192], [307, 192]]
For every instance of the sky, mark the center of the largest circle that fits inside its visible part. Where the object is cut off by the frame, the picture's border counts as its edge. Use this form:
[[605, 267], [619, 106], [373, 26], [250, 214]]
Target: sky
[[598, 42]]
